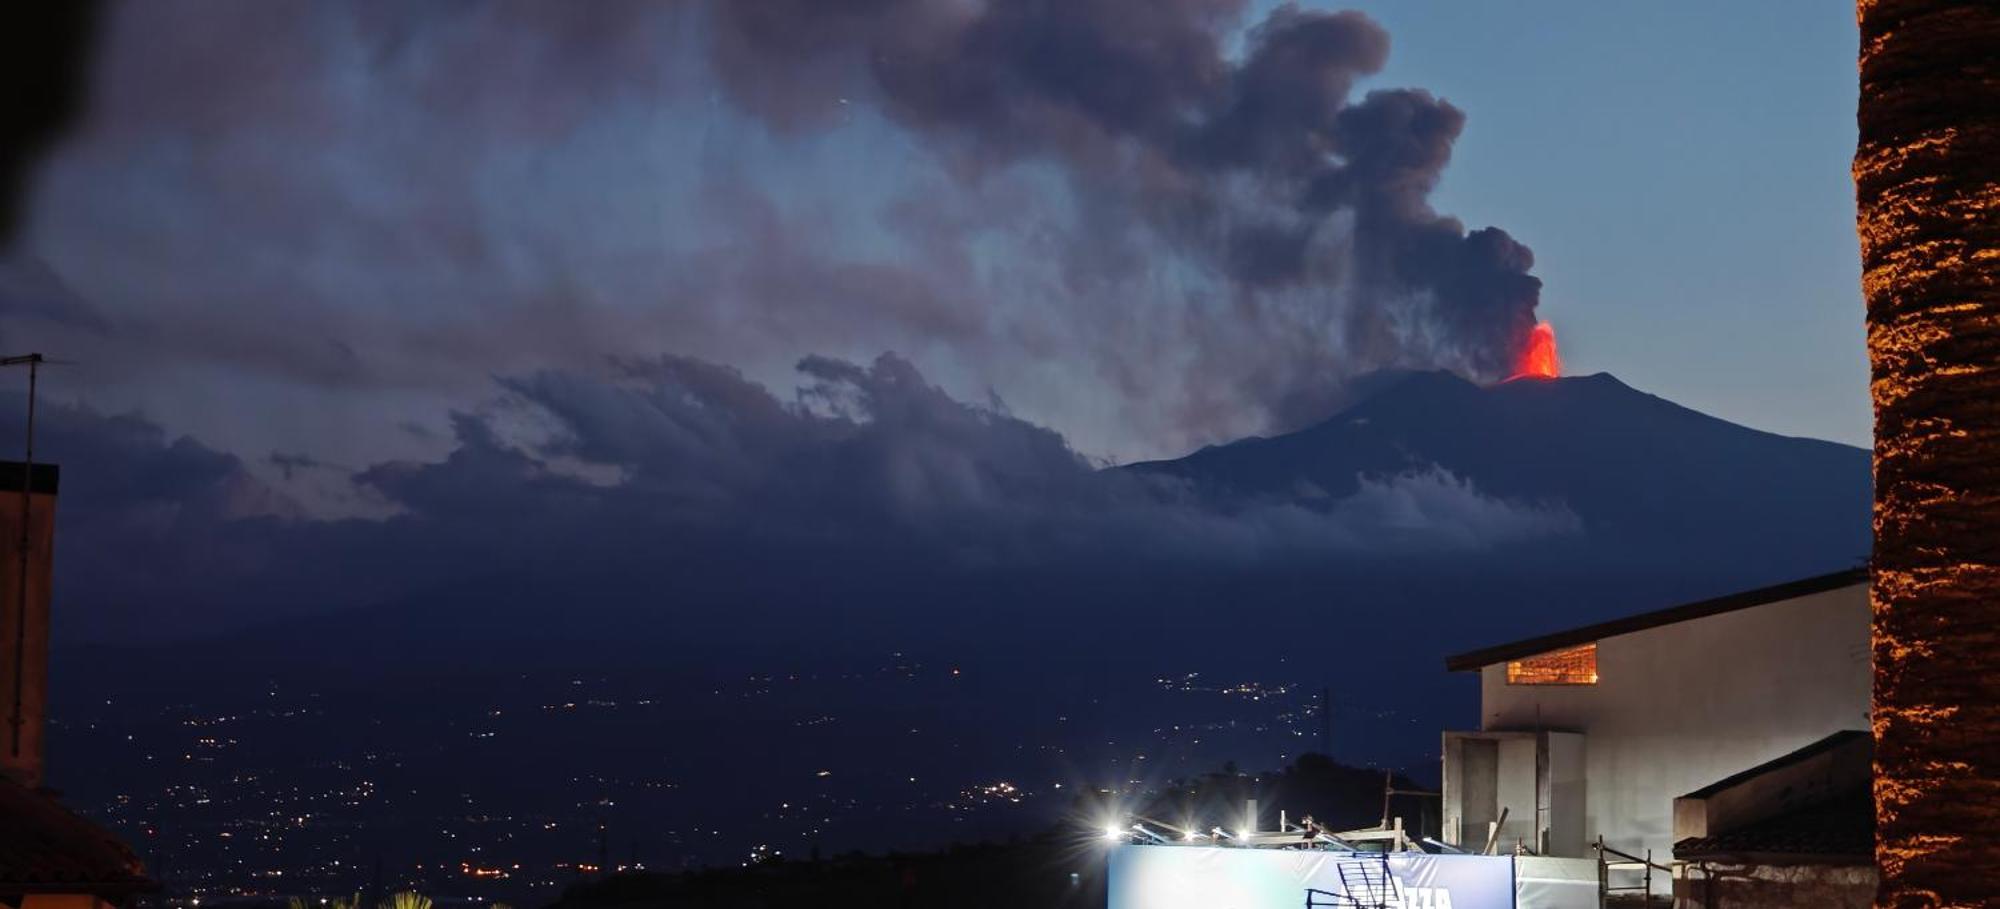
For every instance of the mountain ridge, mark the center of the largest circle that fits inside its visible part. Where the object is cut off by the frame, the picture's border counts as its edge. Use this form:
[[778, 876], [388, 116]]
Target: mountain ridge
[[1630, 463]]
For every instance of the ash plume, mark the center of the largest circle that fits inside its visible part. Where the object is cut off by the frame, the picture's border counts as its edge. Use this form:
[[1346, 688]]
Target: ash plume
[[1310, 206]]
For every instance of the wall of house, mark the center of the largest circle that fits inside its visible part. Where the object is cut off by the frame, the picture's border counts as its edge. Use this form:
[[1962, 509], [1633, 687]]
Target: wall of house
[[1565, 796], [1516, 790], [1536, 776], [1681, 706], [1471, 782]]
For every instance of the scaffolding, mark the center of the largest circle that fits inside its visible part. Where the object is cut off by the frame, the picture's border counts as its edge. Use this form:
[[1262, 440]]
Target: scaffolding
[[1612, 862]]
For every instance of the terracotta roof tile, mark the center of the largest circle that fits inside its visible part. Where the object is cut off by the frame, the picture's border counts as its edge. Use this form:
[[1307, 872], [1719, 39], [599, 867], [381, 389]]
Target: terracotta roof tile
[[1843, 827], [45, 845]]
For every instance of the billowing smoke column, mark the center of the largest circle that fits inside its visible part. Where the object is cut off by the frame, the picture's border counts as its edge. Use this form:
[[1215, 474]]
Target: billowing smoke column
[[1309, 208]]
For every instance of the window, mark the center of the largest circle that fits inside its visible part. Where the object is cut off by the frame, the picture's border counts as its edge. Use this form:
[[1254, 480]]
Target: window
[[1575, 666]]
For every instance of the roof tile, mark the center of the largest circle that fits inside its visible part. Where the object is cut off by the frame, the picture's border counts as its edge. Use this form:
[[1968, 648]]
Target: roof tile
[[45, 844]]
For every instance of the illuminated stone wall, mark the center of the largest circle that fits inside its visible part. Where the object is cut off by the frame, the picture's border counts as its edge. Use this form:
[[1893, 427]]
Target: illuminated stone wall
[[1927, 179], [1750, 886]]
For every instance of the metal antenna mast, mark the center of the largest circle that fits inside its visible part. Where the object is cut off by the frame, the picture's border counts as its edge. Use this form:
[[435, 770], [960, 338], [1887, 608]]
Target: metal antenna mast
[[14, 719]]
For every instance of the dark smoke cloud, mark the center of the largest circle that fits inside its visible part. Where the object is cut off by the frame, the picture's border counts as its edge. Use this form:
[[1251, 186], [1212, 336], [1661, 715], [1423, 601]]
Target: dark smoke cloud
[[1150, 224], [1245, 164]]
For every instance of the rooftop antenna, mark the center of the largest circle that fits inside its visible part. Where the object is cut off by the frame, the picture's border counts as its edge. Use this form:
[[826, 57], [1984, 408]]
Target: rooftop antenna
[[14, 719]]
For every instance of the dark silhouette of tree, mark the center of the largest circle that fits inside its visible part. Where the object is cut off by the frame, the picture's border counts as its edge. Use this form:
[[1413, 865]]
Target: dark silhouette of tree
[[1927, 177]]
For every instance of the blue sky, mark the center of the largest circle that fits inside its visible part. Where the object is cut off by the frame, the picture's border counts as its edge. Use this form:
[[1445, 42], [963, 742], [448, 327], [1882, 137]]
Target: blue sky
[[1681, 171]]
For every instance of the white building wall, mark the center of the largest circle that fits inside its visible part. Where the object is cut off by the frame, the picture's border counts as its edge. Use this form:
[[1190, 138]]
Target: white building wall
[[1680, 706], [1517, 790]]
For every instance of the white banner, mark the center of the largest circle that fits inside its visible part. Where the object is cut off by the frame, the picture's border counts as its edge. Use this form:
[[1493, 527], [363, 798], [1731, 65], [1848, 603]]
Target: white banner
[[1201, 877]]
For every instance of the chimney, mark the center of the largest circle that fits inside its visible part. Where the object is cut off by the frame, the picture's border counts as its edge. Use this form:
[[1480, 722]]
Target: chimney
[[27, 552]]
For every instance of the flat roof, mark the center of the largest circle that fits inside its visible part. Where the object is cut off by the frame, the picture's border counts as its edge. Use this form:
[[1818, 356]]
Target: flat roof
[[1472, 661]]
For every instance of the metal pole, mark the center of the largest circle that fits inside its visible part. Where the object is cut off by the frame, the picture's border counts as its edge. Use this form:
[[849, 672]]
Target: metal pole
[[14, 719], [1388, 789]]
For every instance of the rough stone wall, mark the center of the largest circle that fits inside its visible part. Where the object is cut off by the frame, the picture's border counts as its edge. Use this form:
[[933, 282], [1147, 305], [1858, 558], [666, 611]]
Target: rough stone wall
[[1927, 181], [1777, 887]]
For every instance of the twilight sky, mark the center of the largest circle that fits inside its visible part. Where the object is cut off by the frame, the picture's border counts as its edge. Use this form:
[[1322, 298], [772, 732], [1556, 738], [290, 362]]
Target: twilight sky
[[317, 230], [1681, 171]]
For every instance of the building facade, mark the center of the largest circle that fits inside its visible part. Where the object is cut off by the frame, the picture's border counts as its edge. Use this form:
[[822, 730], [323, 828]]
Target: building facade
[[1798, 830], [1591, 734]]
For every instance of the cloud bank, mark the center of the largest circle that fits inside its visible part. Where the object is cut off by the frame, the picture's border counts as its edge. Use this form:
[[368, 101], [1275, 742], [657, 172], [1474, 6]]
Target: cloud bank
[[616, 481]]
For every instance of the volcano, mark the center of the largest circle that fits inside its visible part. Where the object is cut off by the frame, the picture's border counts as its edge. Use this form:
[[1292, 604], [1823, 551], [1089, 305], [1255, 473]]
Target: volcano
[[1645, 476]]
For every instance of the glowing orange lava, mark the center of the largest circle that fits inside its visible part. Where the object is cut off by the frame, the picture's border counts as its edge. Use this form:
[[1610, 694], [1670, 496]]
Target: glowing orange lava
[[1539, 359]]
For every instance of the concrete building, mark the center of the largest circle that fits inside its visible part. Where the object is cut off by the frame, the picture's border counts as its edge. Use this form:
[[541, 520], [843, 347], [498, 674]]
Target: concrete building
[[1591, 734]]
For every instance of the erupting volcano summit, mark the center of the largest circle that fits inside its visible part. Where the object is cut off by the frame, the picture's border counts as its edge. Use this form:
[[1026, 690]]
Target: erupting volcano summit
[[1539, 359]]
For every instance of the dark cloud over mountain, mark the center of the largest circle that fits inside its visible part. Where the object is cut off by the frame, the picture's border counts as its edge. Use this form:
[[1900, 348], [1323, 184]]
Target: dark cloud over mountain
[[613, 481], [672, 496]]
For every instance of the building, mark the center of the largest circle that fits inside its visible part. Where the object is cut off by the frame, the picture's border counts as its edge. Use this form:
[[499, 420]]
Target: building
[[1798, 830], [1589, 736], [50, 858]]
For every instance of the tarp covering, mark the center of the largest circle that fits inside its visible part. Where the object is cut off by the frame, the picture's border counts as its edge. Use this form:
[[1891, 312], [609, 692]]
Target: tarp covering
[[1199, 877], [1541, 882]]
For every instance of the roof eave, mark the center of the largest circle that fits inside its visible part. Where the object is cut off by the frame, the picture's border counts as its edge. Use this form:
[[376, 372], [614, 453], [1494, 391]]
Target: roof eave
[[1475, 660]]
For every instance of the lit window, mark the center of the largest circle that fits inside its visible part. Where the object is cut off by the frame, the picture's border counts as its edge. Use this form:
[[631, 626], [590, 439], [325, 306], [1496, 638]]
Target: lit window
[[1575, 666]]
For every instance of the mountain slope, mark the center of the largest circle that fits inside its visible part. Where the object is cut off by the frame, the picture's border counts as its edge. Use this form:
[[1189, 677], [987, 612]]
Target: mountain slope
[[1635, 468]]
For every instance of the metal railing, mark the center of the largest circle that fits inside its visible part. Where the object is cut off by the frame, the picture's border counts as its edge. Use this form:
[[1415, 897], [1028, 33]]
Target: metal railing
[[1625, 861]]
